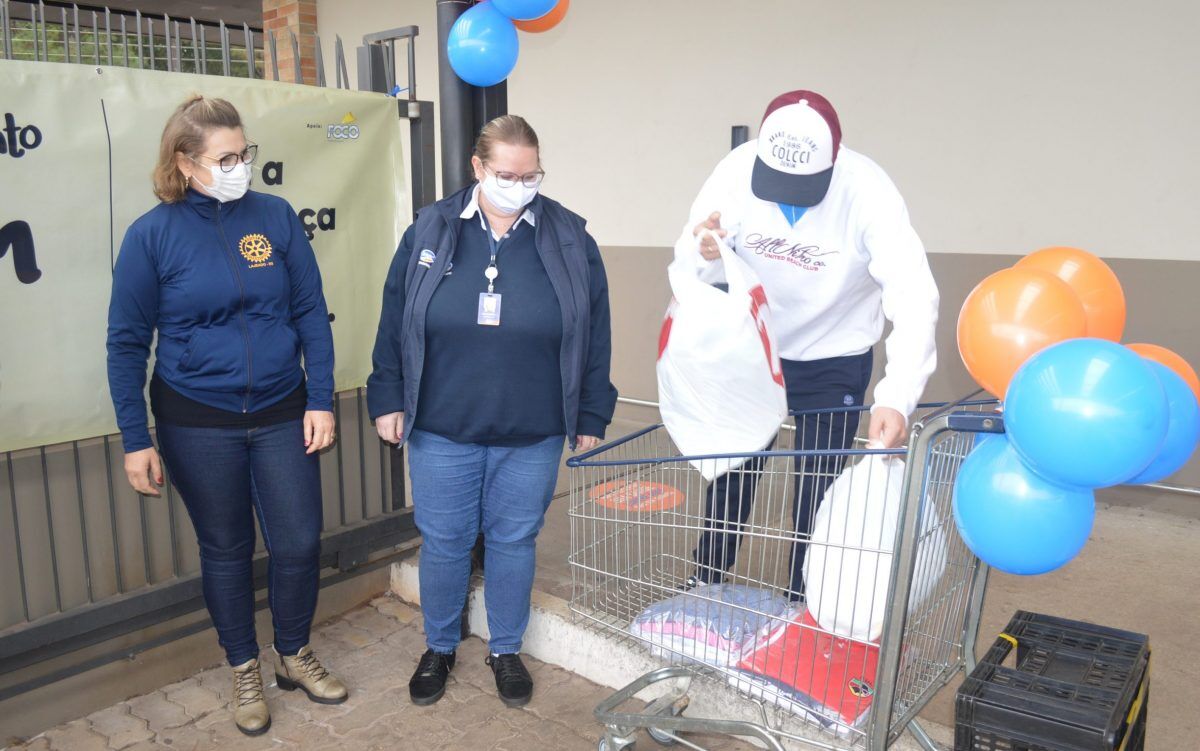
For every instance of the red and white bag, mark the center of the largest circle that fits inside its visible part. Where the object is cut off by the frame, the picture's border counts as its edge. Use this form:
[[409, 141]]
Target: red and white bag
[[720, 384]]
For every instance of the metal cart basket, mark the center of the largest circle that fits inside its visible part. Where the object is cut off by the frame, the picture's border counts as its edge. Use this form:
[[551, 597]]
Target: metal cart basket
[[638, 510]]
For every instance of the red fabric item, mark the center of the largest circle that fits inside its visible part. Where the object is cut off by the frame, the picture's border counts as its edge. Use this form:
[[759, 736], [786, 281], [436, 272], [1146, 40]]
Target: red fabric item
[[836, 673]]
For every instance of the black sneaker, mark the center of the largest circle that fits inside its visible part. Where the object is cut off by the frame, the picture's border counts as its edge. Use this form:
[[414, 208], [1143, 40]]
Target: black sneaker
[[513, 681], [694, 581], [428, 683]]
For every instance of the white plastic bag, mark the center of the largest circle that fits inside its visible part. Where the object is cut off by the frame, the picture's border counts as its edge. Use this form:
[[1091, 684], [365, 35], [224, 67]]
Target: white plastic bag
[[720, 384], [845, 580]]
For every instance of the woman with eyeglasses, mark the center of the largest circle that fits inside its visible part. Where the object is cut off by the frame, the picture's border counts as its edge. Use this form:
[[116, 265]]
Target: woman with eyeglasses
[[493, 350], [227, 279]]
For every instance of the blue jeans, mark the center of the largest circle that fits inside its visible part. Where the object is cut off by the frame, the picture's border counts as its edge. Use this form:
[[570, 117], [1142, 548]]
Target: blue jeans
[[226, 477], [460, 489]]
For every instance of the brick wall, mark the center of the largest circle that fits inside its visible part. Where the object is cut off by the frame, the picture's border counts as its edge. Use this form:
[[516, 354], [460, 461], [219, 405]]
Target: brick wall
[[299, 17]]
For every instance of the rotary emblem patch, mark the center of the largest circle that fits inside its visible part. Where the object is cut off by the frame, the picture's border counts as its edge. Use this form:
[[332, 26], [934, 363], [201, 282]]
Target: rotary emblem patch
[[256, 249]]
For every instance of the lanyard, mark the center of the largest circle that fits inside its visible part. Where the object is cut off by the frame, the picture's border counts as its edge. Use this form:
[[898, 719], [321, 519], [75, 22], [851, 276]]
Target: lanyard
[[492, 271]]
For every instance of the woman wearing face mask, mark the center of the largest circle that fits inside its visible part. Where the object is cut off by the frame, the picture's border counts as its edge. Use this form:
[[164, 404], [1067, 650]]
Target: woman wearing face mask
[[493, 347], [227, 279]]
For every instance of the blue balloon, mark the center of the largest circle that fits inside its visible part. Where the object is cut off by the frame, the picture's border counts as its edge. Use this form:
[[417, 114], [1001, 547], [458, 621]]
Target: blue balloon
[[482, 46], [1183, 428], [1086, 413], [1014, 520], [525, 10]]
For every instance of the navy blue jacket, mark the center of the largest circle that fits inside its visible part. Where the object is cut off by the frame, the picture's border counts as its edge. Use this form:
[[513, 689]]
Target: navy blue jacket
[[234, 292], [576, 272]]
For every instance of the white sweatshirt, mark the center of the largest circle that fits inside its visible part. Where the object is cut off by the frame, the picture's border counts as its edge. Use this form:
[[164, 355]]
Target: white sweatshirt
[[831, 279]]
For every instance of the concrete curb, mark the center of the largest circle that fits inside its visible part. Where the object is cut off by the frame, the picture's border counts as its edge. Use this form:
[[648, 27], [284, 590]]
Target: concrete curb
[[557, 636]]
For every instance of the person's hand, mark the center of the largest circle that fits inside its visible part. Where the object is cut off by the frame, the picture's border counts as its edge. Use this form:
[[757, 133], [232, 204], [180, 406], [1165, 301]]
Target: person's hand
[[318, 430], [144, 470], [708, 246], [586, 442], [888, 427], [390, 427]]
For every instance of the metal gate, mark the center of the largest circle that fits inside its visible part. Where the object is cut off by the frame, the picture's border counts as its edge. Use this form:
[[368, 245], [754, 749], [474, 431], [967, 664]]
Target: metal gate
[[84, 559]]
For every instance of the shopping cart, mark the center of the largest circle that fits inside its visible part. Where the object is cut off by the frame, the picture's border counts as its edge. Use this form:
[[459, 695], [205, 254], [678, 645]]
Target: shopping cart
[[637, 511]]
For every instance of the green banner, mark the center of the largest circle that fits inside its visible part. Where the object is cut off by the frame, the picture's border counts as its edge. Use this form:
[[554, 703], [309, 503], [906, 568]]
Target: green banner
[[77, 146]]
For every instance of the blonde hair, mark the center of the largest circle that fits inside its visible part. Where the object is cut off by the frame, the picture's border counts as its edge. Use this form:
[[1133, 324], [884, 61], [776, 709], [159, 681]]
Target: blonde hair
[[509, 129], [185, 133]]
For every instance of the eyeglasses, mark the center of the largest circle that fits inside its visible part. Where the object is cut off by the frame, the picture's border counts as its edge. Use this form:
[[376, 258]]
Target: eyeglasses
[[529, 179], [230, 161]]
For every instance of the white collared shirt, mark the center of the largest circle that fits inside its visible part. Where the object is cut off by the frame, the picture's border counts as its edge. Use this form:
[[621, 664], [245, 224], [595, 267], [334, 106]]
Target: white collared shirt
[[473, 208]]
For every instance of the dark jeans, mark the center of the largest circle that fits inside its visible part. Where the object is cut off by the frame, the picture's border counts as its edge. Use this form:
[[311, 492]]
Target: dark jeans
[[835, 383], [226, 477]]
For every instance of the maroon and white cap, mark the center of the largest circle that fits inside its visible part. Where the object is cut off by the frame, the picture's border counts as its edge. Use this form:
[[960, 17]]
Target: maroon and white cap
[[797, 146]]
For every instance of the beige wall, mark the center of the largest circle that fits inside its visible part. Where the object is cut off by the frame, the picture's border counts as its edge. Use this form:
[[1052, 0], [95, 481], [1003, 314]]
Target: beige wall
[[1008, 127], [1160, 300]]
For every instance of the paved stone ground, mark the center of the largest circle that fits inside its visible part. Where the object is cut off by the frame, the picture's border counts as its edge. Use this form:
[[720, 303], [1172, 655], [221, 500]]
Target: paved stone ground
[[374, 649]]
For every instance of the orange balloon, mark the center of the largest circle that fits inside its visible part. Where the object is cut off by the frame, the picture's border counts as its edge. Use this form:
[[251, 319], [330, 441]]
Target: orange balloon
[[1172, 360], [546, 22], [1097, 286], [1010, 316]]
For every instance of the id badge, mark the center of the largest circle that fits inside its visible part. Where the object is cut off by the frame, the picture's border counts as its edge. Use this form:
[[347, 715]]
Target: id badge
[[489, 309]]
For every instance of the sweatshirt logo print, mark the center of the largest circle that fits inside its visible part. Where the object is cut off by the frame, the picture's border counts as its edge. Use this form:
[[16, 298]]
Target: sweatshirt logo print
[[807, 257], [256, 249]]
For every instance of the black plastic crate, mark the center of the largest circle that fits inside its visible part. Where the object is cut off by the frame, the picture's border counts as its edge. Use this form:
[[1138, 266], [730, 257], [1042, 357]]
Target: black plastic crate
[[1076, 687]]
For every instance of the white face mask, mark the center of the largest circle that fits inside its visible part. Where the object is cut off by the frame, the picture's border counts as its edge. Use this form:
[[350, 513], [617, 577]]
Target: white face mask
[[229, 186], [507, 201]]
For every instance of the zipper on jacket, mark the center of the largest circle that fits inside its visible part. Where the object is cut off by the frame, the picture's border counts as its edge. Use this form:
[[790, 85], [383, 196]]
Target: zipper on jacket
[[241, 310]]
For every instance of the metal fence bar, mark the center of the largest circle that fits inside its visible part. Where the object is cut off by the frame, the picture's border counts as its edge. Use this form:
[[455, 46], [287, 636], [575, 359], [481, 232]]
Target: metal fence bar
[[172, 42], [412, 67], [320, 62], [249, 45], [83, 540], [170, 495], [50, 531], [339, 63], [12, 497], [78, 41], [224, 49], [150, 40], [203, 52], [66, 35], [362, 451], [4, 22], [299, 74], [37, 47], [137, 22], [95, 38], [108, 33], [124, 42], [341, 473], [195, 47], [274, 55], [45, 42], [383, 476], [145, 538], [389, 64], [112, 516]]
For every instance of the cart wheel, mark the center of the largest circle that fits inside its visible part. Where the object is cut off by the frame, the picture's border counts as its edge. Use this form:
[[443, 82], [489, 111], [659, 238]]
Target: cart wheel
[[605, 747], [660, 737]]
